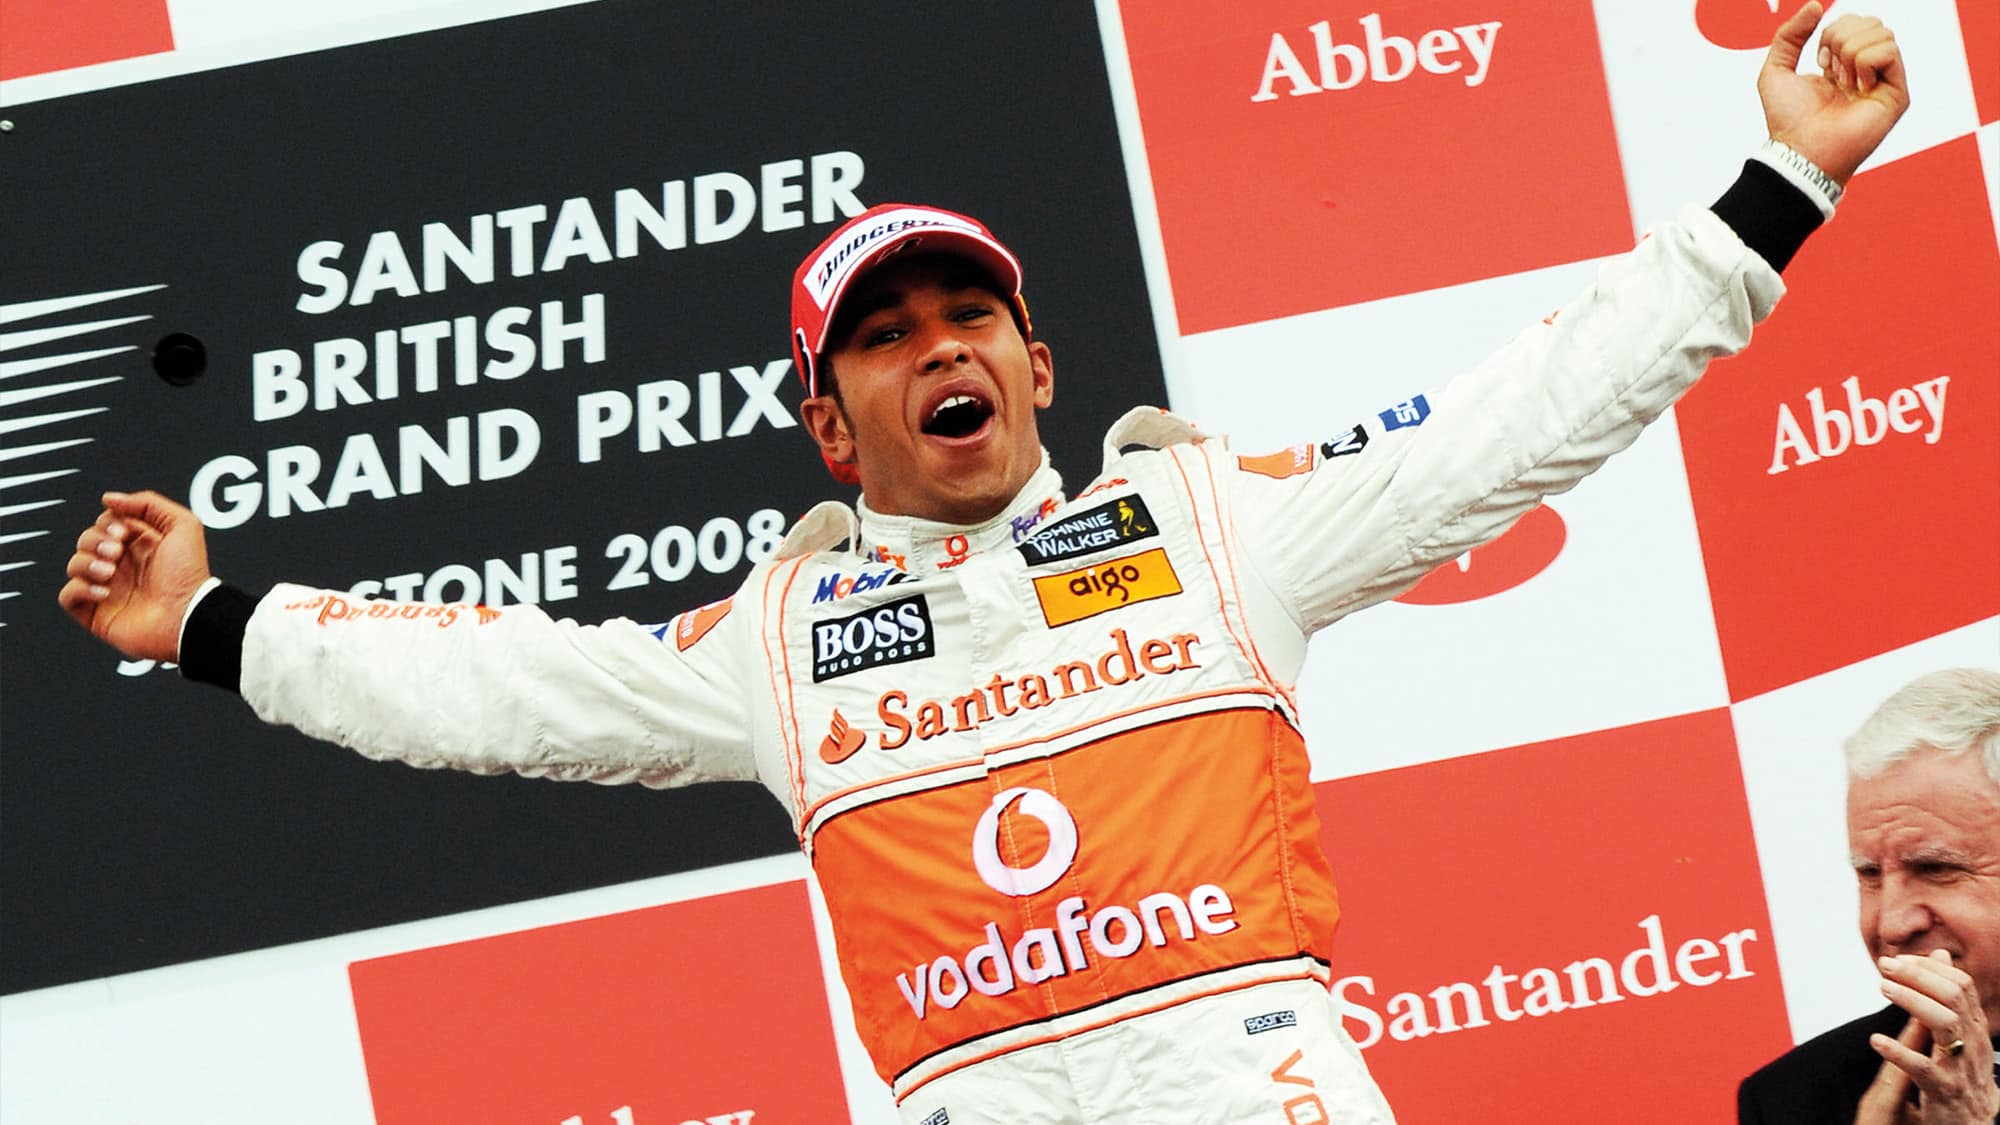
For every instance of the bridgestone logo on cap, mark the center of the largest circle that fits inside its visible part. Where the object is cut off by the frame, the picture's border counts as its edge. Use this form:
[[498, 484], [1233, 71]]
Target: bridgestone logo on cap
[[837, 261]]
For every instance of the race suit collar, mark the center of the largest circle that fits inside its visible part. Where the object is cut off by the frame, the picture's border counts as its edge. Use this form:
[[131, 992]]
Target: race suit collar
[[921, 545]]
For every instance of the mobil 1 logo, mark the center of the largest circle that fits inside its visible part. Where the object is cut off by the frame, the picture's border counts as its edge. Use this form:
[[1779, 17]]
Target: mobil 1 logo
[[886, 634]]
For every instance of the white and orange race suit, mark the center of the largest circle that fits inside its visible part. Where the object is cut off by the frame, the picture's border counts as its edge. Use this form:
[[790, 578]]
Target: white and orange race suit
[[1048, 769]]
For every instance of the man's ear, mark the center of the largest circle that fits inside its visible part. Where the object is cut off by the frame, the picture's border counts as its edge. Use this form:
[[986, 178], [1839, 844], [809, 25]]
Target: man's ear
[[826, 424], [1042, 363]]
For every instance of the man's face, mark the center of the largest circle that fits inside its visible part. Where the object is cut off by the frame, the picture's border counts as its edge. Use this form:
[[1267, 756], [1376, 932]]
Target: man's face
[[938, 392], [1925, 837]]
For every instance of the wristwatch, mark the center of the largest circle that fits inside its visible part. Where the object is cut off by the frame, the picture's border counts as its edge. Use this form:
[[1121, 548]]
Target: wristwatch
[[1807, 176]]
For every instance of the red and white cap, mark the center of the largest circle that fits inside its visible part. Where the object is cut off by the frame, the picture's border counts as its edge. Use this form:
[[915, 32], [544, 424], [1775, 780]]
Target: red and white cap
[[864, 242]]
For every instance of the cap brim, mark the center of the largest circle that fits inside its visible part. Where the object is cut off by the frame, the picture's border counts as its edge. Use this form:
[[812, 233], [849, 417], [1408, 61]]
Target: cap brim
[[996, 260]]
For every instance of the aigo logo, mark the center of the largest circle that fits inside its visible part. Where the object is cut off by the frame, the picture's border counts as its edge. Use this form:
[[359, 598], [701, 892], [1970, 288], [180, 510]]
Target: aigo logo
[[1527, 549], [1040, 875], [1741, 25]]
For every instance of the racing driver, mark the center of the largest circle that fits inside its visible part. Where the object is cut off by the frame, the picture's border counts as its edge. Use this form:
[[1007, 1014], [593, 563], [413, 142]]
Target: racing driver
[[1062, 729]]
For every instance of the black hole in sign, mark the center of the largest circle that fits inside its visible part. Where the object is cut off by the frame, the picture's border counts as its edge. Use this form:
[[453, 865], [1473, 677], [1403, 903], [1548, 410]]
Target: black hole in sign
[[179, 358]]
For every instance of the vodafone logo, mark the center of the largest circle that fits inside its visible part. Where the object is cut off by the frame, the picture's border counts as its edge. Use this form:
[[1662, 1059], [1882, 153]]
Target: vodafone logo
[[998, 961], [1039, 876], [1524, 551], [1740, 25]]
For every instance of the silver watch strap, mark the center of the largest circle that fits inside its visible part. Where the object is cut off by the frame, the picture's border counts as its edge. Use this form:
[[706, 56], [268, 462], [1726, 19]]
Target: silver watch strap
[[1808, 177]]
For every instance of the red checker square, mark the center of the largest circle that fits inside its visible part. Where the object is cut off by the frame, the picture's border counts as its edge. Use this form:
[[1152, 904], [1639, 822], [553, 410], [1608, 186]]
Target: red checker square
[[692, 1010], [1740, 25], [42, 36], [1594, 900], [1842, 469], [1307, 154], [1979, 23]]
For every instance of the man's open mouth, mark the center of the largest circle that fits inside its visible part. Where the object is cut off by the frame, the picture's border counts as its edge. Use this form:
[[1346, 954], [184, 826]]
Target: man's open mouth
[[957, 416]]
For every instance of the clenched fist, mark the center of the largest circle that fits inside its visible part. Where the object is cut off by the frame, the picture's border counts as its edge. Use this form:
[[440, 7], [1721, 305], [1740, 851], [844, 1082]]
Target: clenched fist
[[1835, 118]]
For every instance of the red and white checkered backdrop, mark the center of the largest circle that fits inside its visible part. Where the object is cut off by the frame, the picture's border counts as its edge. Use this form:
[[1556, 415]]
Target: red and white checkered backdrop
[[1581, 788]]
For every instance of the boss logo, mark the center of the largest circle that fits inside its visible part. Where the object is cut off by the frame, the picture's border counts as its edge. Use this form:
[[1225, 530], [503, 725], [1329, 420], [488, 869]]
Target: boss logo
[[887, 634]]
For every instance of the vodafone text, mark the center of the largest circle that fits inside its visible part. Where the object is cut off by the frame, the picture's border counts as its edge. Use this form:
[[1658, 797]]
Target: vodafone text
[[1583, 983], [995, 967], [1379, 58], [623, 1115], [724, 206], [1299, 1105], [1866, 421]]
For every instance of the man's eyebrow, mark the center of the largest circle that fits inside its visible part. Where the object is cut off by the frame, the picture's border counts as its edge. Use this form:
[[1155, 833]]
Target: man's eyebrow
[[1932, 854], [1937, 854], [957, 280], [871, 304]]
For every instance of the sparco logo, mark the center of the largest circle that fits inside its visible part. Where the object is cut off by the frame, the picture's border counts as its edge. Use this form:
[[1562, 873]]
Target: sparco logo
[[996, 966], [888, 634], [1107, 525], [1270, 1021]]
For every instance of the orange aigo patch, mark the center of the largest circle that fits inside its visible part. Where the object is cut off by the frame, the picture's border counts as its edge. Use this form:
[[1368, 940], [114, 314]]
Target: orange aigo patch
[[1101, 587], [1287, 462]]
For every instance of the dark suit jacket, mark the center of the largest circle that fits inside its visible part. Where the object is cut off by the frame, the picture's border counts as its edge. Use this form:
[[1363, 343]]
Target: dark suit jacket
[[1821, 1079]]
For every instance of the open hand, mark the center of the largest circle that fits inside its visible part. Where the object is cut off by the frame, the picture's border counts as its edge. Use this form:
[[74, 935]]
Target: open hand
[[134, 572], [1954, 1078]]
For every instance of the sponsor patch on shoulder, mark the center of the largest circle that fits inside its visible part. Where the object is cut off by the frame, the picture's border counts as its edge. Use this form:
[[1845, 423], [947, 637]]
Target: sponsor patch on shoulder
[[886, 634], [1289, 462], [1107, 525], [938, 1118], [1409, 412], [1353, 441], [693, 625], [1270, 1021]]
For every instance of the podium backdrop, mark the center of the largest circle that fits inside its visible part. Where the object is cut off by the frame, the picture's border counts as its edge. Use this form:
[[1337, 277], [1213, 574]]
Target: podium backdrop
[[486, 301]]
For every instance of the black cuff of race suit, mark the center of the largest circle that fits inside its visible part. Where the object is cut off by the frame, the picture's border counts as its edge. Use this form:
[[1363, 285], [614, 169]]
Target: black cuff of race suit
[[212, 638], [1770, 215]]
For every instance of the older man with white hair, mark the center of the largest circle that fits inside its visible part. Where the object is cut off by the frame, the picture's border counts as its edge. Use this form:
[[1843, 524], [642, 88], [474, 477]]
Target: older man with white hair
[[1923, 828]]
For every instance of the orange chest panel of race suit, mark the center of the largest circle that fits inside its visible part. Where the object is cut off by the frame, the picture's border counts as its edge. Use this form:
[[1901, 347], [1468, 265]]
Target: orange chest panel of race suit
[[1043, 777]]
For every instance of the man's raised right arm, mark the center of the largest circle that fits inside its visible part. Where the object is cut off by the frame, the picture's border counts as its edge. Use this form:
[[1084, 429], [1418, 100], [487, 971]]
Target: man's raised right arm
[[431, 685]]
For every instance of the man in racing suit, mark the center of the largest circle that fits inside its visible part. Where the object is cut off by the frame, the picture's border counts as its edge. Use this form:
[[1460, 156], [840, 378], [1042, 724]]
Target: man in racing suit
[[1042, 751]]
